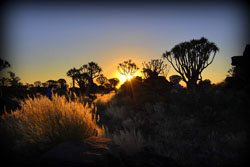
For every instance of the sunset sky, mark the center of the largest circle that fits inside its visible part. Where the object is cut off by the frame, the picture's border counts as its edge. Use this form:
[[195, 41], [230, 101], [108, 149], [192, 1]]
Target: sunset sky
[[44, 41]]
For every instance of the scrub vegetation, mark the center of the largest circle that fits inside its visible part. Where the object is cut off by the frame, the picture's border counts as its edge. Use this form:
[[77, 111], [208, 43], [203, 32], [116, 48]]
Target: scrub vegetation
[[42, 123], [202, 124]]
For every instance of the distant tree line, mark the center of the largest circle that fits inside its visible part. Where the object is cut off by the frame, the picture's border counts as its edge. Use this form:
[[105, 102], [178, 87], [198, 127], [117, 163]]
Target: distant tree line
[[85, 75], [188, 59]]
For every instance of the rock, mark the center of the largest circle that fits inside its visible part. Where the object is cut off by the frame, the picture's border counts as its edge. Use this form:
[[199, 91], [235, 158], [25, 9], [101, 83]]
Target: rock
[[99, 151]]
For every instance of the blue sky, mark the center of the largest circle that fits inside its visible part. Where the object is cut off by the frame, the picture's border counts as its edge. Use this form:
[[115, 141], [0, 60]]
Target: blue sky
[[44, 42]]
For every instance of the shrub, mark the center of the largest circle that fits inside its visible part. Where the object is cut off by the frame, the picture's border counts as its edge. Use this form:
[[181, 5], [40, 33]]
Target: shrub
[[103, 98], [203, 128], [131, 141], [116, 113], [42, 123]]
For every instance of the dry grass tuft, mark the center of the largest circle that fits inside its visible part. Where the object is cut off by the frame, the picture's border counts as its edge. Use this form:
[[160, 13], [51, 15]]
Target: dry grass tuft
[[131, 141], [104, 98], [42, 123]]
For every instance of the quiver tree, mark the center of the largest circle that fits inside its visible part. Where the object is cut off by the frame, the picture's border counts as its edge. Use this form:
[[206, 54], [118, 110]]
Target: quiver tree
[[78, 77], [62, 82], [127, 68], [101, 79], [82, 80], [85, 75], [154, 68], [114, 82], [91, 71], [73, 72], [189, 59]]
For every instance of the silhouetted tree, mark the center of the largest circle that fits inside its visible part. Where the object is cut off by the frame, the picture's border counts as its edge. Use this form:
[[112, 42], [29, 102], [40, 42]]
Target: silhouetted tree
[[37, 83], [30, 85], [92, 69], [154, 68], [114, 82], [175, 79], [52, 83], [4, 64], [62, 83], [82, 80], [44, 84], [13, 80], [73, 72], [101, 80], [189, 59], [127, 68], [107, 85]]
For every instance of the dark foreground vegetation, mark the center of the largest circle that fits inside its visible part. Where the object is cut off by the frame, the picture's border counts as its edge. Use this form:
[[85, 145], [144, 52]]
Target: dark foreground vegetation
[[148, 121]]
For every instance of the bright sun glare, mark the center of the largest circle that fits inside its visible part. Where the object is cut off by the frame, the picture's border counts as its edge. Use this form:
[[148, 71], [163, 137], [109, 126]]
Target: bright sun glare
[[123, 78], [129, 77]]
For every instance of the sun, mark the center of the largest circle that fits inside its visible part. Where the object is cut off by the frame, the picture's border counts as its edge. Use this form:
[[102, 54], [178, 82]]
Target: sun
[[124, 78], [129, 77]]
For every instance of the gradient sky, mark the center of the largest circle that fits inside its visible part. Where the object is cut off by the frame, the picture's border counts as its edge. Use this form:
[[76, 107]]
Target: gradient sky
[[45, 41]]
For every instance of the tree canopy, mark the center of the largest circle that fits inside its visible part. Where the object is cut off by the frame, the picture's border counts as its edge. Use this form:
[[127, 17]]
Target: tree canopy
[[101, 80], [154, 68], [189, 59], [114, 82], [127, 68], [92, 69], [73, 74]]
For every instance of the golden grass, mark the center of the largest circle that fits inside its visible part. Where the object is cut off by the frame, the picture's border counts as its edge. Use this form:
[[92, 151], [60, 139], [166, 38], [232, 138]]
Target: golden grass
[[42, 122], [104, 98]]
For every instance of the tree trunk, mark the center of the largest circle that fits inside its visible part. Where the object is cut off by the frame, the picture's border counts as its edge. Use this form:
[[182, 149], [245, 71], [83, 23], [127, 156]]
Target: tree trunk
[[192, 83], [73, 84], [89, 87]]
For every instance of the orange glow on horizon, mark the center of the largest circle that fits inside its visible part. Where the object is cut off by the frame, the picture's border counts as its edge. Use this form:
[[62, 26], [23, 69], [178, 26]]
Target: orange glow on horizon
[[123, 78]]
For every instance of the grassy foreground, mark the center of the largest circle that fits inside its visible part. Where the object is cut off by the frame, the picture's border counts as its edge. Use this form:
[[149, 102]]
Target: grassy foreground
[[202, 128], [193, 128], [42, 123]]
